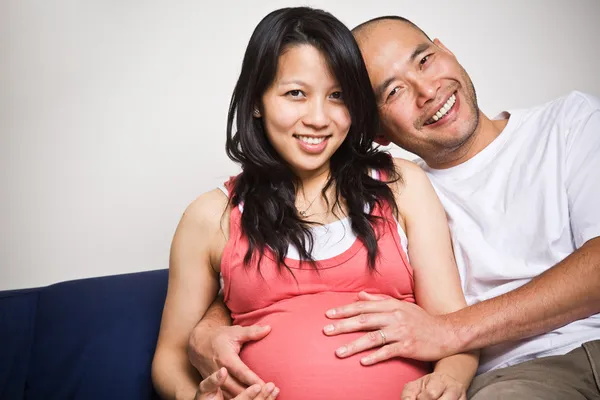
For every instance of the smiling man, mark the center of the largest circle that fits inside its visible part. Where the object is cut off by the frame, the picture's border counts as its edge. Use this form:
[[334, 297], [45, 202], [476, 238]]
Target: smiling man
[[521, 194], [426, 99], [522, 199]]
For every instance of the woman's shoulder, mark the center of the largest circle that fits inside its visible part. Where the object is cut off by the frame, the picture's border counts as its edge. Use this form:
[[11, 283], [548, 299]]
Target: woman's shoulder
[[410, 175], [414, 189], [207, 210]]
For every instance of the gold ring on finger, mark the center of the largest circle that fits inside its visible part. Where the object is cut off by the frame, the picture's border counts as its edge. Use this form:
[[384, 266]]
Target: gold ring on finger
[[382, 336]]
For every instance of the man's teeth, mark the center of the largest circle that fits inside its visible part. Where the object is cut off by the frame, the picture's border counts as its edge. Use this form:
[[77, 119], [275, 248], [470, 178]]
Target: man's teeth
[[444, 110], [311, 140]]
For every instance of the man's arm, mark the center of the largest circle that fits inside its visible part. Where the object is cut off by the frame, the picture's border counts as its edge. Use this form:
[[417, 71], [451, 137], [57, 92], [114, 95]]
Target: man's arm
[[217, 315], [563, 294]]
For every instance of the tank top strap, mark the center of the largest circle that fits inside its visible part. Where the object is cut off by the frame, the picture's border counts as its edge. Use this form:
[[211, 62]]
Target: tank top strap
[[235, 235], [228, 186], [385, 210]]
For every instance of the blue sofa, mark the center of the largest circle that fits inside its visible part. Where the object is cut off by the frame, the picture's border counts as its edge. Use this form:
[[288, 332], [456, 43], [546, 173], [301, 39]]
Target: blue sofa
[[85, 339]]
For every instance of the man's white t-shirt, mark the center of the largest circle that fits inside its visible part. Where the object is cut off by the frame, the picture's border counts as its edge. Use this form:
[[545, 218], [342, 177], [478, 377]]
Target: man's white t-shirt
[[522, 205]]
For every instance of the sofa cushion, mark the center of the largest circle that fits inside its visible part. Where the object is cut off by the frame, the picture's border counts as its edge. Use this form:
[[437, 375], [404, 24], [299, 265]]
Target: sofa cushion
[[95, 338], [17, 323]]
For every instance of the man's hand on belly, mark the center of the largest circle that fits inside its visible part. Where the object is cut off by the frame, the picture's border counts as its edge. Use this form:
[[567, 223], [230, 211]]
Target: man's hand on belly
[[399, 328], [211, 348]]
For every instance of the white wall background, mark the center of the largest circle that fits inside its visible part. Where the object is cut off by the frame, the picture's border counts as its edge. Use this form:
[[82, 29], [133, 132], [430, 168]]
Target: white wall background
[[112, 113]]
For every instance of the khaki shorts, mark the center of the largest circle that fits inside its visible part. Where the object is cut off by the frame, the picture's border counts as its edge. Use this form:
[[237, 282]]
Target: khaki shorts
[[575, 375]]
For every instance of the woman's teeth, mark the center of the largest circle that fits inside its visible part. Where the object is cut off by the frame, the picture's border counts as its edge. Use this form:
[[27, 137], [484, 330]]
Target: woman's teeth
[[443, 111], [311, 140]]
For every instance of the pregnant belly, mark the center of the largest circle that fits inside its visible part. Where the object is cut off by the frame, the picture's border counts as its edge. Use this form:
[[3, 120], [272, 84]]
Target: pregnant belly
[[298, 357]]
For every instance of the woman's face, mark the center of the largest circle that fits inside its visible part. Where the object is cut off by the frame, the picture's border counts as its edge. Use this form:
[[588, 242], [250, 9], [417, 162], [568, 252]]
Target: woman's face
[[303, 111]]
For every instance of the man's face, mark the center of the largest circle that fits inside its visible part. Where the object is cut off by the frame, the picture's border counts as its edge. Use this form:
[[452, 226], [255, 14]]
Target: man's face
[[426, 100]]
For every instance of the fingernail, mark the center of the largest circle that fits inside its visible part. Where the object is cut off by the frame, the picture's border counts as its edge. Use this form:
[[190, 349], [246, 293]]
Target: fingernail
[[330, 313], [365, 360], [329, 328], [270, 387], [341, 351], [255, 389], [275, 392]]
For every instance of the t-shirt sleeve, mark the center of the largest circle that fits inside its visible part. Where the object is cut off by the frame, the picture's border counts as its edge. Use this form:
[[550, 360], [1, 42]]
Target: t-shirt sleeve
[[583, 169]]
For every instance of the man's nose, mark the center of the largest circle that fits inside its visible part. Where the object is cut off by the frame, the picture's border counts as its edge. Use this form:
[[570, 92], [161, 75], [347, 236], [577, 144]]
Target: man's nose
[[427, 90]]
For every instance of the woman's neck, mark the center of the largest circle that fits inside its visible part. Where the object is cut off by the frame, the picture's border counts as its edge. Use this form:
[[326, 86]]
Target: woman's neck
[[309, 198], [311, 184]]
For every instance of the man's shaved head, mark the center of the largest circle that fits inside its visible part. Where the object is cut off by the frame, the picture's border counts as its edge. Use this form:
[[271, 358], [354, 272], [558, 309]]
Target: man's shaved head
[[427, 102], [363, 30]]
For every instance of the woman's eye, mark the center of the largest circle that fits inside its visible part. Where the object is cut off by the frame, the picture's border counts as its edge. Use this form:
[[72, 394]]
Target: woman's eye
[[393, 92], [294, 93], [336, 95]]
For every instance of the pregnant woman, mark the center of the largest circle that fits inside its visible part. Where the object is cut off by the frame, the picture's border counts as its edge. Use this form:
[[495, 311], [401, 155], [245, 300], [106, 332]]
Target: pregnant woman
[[316, 216]]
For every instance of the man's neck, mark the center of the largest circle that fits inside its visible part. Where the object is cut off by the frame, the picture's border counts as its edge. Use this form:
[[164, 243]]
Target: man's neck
[[486, 132]]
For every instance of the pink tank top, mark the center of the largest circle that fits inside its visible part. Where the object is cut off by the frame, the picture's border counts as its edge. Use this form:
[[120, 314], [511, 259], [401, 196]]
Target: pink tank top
[[296, 355]]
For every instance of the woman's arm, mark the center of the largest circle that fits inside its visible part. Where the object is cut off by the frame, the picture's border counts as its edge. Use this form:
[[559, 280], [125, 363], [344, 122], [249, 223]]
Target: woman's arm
[[437, 282], [193, 284]]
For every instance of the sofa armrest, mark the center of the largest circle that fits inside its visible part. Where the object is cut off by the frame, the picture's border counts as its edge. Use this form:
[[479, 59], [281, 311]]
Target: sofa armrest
[[17, 323], [95, 338]]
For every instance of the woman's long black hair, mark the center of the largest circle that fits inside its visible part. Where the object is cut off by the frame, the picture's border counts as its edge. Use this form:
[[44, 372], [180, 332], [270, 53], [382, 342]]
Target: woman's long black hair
[[267, 186]]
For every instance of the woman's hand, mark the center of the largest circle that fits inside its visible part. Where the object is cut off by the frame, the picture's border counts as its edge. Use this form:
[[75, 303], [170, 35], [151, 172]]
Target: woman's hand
[[434, 386], [210, 389]]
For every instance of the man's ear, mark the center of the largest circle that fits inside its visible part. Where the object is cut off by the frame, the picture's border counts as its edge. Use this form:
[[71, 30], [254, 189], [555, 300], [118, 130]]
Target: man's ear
[[439, 44], [380, 139]]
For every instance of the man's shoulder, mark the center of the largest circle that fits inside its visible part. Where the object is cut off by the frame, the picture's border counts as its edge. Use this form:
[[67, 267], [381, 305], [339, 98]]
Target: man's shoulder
[[564, 111], [575, 107], [574, 103], [587, 99]]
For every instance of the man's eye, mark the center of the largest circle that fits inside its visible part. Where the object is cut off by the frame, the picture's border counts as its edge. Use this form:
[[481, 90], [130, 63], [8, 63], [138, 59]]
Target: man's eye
[[424, 59], [393, 92]]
